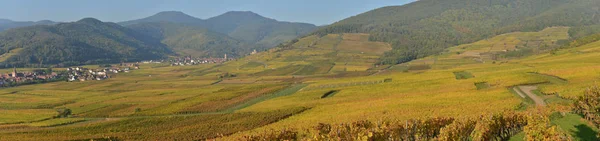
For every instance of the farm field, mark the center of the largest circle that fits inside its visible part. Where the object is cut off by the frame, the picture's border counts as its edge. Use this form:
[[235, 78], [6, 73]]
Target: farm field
[[330, 79], [328, 55], [497, 49]]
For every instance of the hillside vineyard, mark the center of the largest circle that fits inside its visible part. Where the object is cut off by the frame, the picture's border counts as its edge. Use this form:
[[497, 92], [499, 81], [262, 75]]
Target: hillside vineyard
[[434, 70]]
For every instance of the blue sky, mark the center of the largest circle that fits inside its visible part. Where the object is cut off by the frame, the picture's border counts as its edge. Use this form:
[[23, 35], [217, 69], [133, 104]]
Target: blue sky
[[311, 11]]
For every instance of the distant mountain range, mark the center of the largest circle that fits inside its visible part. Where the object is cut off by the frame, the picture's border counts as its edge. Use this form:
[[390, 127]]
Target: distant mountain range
[[87, 41], [90, 41], [7, 24], [192, 40], [251, 30], [415, 30]]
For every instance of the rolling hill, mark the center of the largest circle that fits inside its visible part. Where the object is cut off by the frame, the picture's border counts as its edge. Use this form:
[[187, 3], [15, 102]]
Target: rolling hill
[[470, 70], [189, 103], [87, 41], [251, 29], [7, 24], [166, 16], [427, 27], [192, 40]]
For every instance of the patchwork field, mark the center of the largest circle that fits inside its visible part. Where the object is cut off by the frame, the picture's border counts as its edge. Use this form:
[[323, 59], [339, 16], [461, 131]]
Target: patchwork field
[[330, 79], [312, 55], [498, 49]]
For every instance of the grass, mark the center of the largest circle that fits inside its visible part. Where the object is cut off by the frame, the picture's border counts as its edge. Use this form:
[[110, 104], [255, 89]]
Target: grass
[[572, 124], [518, 137], [463, 75], [551, 78], [482, 85], [575, 126]]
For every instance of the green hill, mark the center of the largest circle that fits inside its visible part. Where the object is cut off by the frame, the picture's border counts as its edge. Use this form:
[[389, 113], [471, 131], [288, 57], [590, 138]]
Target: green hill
[[248, 28], [330, 55], [427, 27], [88, 41], [192, 40], [253, 28], [7, 24], [166, 16]]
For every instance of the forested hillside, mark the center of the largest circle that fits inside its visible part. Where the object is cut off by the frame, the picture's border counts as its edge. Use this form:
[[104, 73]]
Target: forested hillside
[[250, 29], [192, 40], [166, 16], [427, 27], [253, 28], [7, 24], [88, 41]]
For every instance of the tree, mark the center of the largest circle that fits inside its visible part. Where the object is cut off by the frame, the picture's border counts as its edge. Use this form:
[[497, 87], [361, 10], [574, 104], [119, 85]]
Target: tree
[[63, 113]]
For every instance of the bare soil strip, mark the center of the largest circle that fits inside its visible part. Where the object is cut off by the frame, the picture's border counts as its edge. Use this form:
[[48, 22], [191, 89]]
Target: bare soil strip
[[528, 90], [516, 89]]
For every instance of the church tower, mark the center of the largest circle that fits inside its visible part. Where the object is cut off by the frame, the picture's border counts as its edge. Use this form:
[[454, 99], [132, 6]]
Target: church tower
[[14, 73]]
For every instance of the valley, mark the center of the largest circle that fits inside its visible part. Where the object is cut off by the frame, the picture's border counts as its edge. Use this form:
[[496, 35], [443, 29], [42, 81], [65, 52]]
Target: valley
[[434, 70], [276, 81]]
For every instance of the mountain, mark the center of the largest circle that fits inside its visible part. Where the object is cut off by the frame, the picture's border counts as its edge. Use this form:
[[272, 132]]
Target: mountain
[[2, 21], [428, 27], [87, 41], [253, 30], [167, 16], [7, 24], [192, 40]]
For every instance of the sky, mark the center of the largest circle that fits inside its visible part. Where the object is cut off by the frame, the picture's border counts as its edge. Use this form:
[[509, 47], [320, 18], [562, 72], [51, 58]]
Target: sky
[[319, 12]]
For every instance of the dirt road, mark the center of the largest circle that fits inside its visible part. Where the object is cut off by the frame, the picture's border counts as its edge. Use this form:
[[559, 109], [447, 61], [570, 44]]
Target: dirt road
[[528, 90]]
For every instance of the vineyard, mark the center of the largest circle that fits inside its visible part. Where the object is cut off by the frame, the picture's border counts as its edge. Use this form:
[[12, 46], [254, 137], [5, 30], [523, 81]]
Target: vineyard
[[322, 88], [501, 126], [156, 128], [330, 86]]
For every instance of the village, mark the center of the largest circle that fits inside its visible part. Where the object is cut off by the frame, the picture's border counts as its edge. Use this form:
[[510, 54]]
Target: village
[[79, 74], [189, 60], [85, 74], [37, 76]]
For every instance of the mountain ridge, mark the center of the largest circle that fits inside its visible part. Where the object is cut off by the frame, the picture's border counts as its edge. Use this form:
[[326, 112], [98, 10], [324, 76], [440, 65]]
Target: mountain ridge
[[428, 27], [255, 31], [8, 24], [166, 16], [87, 41]]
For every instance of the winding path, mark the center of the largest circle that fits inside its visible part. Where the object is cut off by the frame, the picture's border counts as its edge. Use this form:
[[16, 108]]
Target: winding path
[[528, 91]]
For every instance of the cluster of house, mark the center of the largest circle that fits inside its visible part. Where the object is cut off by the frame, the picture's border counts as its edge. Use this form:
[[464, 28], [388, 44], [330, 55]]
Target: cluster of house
[[85, 74], [188, 60], [20, 77], [152, 61]]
